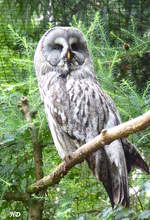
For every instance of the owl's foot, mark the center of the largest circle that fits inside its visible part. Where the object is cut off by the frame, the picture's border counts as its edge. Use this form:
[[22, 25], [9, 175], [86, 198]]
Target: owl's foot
[[67, 158]]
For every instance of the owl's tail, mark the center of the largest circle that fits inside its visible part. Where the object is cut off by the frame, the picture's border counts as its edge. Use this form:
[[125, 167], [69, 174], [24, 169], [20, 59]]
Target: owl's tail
[[115, 184], [115, 179]]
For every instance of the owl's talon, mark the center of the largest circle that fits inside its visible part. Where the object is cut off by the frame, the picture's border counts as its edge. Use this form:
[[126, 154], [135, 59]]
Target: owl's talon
[[67, 158]]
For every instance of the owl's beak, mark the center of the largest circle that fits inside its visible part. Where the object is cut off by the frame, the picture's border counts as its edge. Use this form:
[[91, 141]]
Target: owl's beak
[[68, 55]]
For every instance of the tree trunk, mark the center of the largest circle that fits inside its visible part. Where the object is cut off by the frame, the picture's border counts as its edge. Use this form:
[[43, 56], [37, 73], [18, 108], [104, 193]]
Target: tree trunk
[[35, 207], [35, 210]]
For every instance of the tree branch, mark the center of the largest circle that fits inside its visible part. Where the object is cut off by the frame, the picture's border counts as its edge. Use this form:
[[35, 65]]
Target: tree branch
[[16, 196], [106, 137], [36, 207], [37, 149]]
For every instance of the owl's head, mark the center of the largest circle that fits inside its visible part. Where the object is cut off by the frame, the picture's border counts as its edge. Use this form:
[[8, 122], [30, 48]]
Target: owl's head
[[63, 48]]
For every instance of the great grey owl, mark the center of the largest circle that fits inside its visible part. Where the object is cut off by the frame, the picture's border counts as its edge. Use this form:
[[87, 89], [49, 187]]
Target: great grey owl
[[77, 109]]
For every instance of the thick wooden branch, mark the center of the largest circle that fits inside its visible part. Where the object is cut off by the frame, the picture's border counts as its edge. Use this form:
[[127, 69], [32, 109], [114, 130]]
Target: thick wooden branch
[[106, 137], [16, 196]]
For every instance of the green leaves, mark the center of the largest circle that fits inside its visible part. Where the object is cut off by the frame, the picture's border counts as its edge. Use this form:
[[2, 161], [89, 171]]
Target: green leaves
[[144, 215]]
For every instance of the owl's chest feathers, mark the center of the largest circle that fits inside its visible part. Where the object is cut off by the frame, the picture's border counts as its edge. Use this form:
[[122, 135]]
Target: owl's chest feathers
[[77, 107], [68, 99]]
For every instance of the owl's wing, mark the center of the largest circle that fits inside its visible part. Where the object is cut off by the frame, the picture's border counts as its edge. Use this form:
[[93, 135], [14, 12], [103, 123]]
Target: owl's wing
[[133, 157], [120, 162], [116, 164], [110, 165]]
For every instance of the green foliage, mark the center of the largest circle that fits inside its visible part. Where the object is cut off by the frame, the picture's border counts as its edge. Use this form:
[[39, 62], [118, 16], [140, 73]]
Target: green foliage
[[133, 63], [79, 195]]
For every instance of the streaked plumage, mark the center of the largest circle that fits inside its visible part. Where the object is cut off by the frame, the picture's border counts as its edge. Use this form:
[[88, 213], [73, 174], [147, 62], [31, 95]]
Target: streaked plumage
[[77, 109]]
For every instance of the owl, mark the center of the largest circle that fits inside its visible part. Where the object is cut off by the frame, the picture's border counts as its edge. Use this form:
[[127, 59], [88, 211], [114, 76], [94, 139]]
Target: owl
[[77, 109]]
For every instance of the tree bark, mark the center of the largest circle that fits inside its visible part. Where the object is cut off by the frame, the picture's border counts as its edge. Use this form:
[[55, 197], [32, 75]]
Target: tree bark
[[16, 196], [35, 210]]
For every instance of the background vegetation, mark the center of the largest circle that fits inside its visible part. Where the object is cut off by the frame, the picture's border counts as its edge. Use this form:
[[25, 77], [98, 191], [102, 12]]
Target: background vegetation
[[118, 37]]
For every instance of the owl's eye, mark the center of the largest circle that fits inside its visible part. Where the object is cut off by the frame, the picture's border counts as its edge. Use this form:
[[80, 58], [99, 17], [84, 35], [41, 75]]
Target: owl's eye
[[75, 46], [57, 47]]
